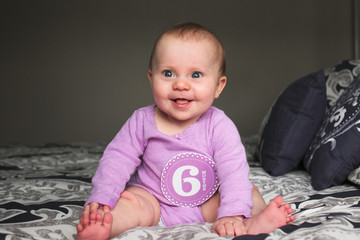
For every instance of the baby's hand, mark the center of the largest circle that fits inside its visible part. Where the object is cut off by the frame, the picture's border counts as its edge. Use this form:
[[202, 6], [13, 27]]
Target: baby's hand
[[231, 226], [94, 206], [92, 209], [91, 213]]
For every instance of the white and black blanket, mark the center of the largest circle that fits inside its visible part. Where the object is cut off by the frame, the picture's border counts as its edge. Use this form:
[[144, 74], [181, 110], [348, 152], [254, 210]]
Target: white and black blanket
[[43, 189]]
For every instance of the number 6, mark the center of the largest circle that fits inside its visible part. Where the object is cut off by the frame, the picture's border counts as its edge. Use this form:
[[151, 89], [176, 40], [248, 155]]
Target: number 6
[[178, 185]]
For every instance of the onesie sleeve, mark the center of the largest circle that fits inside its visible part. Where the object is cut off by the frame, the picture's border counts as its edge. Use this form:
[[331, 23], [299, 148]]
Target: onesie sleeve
[[120, 159], [232, 169]]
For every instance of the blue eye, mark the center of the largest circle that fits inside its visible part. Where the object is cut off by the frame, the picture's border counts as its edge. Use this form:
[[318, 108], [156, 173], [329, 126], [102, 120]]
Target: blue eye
[[196, 75], [168, 73]]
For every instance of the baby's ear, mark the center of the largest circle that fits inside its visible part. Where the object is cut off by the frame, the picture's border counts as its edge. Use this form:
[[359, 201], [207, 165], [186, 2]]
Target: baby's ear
[[220, 86], [149, 75]]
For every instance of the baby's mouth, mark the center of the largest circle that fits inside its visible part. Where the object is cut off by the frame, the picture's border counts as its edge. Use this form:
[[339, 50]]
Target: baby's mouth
[[181, 100], [182, 103]]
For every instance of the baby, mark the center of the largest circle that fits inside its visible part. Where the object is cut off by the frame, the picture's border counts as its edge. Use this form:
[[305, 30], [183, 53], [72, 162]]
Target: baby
[[180, 160]]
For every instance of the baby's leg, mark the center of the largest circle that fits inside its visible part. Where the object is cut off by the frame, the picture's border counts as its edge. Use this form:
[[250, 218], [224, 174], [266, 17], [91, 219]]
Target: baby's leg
[[209, 208], [275, 215], [258, 202], [264, 219], [135, 207]]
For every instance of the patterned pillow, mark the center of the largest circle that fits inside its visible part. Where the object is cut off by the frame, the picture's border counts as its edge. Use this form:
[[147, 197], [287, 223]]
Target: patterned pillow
[[292, 124], [335, 151], [354, 176], [338, 78]]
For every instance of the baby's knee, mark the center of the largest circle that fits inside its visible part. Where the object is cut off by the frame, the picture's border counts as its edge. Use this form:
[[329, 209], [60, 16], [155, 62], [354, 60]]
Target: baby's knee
[[255, 188], [129, 196], [141, 204]]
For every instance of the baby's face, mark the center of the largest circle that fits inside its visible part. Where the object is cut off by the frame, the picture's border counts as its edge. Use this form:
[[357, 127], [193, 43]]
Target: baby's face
[[185, 77]]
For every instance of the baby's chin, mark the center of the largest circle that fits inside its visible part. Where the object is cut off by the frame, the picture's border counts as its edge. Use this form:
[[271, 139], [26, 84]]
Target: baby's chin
[[185, 118]]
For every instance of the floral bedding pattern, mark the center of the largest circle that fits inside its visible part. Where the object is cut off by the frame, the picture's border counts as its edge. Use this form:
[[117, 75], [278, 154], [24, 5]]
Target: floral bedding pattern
[[43, 189]]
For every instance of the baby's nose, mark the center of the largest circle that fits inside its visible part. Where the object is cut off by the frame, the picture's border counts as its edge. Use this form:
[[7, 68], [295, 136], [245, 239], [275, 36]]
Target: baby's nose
[[181, 84]]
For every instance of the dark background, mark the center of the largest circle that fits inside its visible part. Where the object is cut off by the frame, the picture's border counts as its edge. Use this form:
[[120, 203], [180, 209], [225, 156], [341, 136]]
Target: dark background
[[74, 71]]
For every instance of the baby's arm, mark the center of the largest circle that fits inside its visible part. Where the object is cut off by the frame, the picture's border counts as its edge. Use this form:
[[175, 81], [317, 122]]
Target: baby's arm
[[235, 188], [231, 226], [120, 159]]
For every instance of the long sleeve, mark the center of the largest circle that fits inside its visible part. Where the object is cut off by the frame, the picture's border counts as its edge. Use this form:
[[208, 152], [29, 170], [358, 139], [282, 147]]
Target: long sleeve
[[233, 170], [119, 161]]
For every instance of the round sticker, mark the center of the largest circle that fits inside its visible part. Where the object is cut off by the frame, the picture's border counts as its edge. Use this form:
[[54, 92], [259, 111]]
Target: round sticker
[[189, 179]]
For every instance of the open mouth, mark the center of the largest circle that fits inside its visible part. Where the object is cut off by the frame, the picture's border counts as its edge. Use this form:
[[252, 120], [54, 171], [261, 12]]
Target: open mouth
[[181, 100]]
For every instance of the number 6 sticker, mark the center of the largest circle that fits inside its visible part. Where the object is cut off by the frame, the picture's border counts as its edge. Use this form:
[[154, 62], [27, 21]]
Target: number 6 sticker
[[189, 179]]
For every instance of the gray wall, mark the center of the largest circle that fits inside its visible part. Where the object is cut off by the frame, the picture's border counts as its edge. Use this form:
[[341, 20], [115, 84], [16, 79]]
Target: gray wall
[[75, 70]]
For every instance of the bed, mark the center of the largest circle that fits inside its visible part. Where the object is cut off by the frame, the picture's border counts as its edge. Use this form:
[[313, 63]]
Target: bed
[[43, 187]]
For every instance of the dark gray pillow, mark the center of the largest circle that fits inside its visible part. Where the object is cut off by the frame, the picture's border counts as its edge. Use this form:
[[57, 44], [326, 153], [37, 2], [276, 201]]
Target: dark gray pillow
[[292, 124]]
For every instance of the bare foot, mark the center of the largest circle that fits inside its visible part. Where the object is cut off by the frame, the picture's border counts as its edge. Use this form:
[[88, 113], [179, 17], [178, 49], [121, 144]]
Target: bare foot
[[275, 215], [95, 227]]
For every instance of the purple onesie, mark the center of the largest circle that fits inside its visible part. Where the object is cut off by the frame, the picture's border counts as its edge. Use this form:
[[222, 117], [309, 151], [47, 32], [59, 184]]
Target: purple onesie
[[181, 171]]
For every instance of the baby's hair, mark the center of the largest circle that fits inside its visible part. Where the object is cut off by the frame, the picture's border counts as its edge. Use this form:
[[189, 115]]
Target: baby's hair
[[188, 31]]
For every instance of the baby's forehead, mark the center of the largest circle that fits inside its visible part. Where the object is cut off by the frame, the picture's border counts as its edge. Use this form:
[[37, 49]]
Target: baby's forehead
[[208, 40], [195, 37]]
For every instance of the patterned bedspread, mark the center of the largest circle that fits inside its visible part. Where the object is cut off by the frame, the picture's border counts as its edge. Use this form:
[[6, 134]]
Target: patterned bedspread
[[43, 189]]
